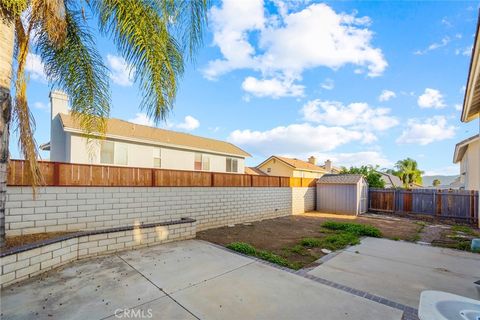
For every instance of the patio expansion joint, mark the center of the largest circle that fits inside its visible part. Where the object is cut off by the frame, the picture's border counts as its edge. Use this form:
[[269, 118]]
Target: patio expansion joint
[[409, 313], [163, 291]]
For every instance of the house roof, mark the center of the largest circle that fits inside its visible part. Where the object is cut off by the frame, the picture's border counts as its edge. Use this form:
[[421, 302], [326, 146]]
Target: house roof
[[254, 171], [297, 164], [121, 129], [392, 179], [340, 179], [461, 148], [471, 101]]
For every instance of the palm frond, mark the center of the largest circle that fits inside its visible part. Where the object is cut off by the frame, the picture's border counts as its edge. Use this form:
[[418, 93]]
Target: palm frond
[[22, 117], [140, 30], [78, 69], [51, 15], [12, 9]]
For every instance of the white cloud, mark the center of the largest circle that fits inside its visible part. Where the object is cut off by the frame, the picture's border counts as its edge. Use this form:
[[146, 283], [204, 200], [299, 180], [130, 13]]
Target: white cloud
[[444, 171], [356, 115], [458, 107], [387, 95], [347, 159], [434, 46], [291, 42], [423, 133], [189, 123], [274, 88], [328, 84], [431, 98], [34, 66], [41, 106], [294, 138], [120, 72], [143, 119], [467, 51]]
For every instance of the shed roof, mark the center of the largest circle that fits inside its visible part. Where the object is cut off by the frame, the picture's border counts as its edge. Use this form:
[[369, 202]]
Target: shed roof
[[340, 179], [120, 128]]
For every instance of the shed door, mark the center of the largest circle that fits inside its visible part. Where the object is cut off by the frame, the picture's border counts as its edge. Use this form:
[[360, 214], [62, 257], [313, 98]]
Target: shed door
[[337, 198], [363, 197]]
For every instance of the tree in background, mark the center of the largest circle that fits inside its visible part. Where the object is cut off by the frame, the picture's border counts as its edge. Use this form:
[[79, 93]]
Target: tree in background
[[370, 173], [407, 170], [436, 182], [154, 37]]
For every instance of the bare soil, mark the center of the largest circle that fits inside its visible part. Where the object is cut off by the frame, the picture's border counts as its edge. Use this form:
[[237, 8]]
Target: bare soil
[[17, 241], [281, 235]]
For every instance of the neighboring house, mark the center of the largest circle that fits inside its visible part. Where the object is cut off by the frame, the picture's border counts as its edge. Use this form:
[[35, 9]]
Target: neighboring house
[[391, 181], [254, 171], [129, 144], [467, 152], [288, 167]]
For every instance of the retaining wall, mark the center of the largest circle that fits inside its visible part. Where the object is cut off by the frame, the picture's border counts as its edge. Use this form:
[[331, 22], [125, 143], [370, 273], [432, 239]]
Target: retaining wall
[[24, 262], [95, 208]]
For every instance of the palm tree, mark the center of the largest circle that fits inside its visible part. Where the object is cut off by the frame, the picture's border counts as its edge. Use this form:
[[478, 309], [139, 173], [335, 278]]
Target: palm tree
[[154, 37], [408, 172]]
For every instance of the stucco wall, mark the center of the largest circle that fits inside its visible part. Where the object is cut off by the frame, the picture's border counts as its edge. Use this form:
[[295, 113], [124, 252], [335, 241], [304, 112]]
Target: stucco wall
[[472, 163], [94, 208], [141, 155]]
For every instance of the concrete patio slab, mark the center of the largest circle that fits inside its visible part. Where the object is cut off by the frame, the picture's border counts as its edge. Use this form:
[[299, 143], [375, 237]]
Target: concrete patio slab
[[400, 271], [89, 289], [259, 291], [206, 282], [182, 264]]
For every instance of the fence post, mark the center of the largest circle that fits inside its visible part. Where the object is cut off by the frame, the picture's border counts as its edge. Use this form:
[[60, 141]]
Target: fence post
[[212, 179], [153, 178], [56, 174]]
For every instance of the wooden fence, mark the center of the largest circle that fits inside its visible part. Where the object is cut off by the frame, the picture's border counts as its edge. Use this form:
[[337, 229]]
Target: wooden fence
[[452, 204], [69, 174]]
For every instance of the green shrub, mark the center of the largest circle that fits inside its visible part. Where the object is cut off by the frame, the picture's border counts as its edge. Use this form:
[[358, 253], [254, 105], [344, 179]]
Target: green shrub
[[354, 228], [463, 229], [311, 242], [340, 241], [242, 247], [272, 257]]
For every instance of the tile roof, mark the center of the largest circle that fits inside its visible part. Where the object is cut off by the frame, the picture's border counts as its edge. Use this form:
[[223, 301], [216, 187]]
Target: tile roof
[[340, 179], [254, 171], [300, 164], [121, 128]]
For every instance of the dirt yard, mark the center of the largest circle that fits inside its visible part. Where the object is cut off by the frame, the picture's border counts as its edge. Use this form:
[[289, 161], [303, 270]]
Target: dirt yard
[[281, 236]]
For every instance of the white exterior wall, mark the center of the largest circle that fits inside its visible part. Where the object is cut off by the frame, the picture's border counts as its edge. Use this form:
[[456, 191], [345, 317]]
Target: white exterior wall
[[303, 199], [141, 155], [470, 165]]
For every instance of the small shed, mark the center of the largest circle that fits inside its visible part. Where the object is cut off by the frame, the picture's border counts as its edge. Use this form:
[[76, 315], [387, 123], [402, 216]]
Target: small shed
[[342, 194]]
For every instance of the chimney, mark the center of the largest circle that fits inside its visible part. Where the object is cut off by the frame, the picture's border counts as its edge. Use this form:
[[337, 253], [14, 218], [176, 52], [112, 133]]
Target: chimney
[[328, 165], [312, 160], [58, 102]]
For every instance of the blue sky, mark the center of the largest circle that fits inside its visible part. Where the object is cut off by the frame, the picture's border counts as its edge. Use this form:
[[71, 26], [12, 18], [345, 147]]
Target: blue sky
[[354, 82]]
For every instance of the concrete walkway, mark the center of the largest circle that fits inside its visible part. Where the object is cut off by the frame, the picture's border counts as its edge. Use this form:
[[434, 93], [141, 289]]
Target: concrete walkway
[[400, 271], [182, 280]]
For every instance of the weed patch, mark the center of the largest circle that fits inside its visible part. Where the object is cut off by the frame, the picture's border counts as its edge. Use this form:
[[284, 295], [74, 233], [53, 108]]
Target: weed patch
[[353, 228], [248, 249]]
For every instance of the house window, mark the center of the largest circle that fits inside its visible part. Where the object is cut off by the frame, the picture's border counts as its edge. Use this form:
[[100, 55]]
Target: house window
[[202, 162], [121, 153], [232, 165], [269, 170], [106, 152], [157, 159], [113, 153]]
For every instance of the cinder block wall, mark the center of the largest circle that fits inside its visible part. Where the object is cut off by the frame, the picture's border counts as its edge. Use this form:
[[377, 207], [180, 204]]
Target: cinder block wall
[[303, 199], [93, 208]]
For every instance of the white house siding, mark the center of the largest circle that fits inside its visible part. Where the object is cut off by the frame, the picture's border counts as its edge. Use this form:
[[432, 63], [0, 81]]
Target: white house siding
[[141, 155], [470, 166]]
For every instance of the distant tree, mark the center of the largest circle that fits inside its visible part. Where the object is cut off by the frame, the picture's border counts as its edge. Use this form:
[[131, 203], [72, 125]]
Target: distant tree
[[370, 173], [407, 170], [436, 182]]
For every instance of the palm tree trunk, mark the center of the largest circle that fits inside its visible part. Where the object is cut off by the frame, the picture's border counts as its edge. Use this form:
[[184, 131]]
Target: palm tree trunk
[[6, 59]]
